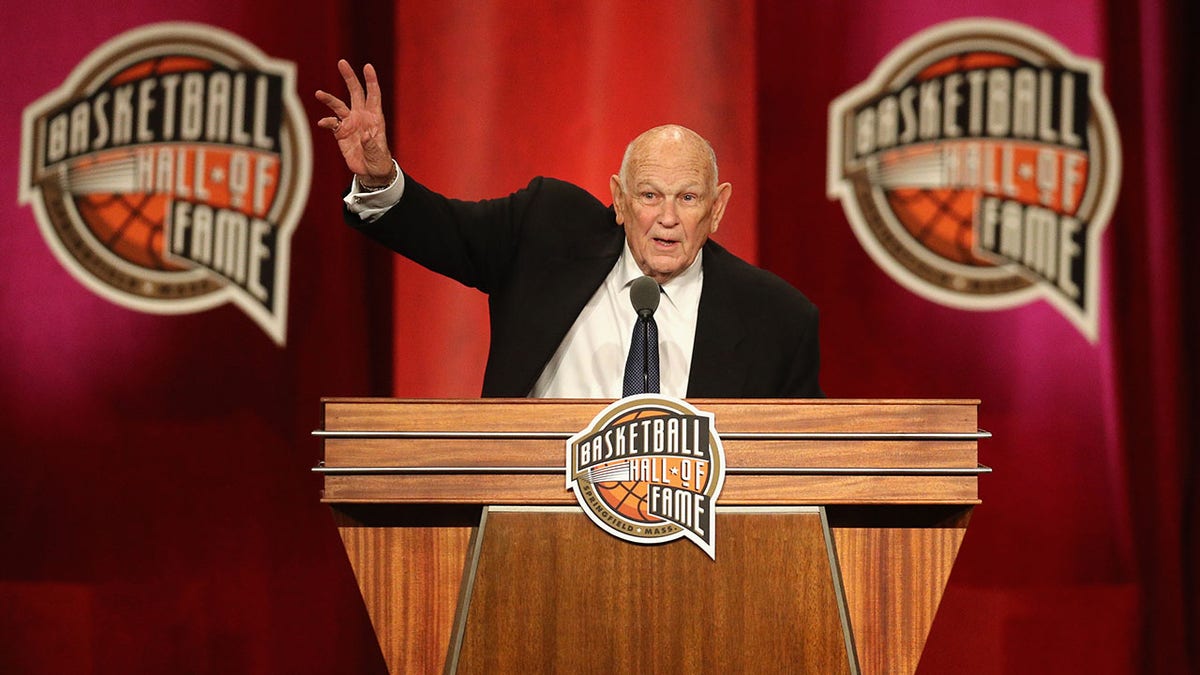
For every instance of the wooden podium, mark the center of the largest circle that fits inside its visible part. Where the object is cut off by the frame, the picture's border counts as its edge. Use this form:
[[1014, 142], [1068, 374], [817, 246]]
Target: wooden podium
[[836, 531]]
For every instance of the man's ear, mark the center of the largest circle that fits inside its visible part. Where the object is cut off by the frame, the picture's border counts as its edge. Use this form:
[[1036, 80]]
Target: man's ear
[[618, 198], [719, 204]]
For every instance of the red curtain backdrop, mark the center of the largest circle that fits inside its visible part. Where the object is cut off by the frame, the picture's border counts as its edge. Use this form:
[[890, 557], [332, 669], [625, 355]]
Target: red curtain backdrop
[[159, 512]]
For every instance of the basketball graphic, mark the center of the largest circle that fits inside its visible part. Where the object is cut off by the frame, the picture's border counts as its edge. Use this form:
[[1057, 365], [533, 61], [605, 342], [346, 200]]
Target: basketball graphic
[[169, 171], [941, 218], [130, 224], [626, 497], [126, 222], [649, 470], [978, 166]]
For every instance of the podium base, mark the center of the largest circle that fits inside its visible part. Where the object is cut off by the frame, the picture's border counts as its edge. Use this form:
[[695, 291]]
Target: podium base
[[771, 601]]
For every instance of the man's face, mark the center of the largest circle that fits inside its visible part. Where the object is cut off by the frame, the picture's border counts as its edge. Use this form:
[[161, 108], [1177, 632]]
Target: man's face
[[668, 205]]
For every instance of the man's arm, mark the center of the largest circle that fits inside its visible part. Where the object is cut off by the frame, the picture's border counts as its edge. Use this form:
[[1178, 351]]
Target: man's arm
[[471, 242]]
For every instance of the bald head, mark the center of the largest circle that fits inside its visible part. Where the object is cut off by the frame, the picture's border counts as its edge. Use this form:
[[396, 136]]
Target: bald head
[[673, 139], [667, 199]]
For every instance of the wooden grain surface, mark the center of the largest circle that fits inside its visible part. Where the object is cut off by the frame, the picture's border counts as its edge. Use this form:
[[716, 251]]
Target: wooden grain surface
[[918, 452], [409, 577], [490, 452], [894, 579], [738, 490], [585, 603], [731, 415]]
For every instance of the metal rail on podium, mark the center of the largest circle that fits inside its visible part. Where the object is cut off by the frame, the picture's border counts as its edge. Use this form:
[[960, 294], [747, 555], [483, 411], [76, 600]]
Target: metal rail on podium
[[837, 528]]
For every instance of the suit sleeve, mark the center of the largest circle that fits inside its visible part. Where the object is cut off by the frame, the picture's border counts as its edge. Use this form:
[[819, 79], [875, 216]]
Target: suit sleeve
[[473, 242]]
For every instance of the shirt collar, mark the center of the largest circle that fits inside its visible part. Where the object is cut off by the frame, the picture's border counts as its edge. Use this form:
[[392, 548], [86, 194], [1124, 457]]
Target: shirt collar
[[676, 290]]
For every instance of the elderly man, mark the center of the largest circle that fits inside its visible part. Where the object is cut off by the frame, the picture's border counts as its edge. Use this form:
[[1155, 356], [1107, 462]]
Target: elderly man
[[557, 265]]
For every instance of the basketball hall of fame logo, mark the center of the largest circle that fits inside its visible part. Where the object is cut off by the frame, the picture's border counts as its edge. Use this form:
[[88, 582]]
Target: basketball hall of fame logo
[[169, 171], [648, 470], [978, 166]]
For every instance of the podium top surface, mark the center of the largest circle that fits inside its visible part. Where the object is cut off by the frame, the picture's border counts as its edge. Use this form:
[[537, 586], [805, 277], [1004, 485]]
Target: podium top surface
[[871, 416]]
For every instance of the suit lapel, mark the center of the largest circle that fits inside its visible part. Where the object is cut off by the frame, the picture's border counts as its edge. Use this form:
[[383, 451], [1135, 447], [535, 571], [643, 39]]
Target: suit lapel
[[718, 368], [573, 278]]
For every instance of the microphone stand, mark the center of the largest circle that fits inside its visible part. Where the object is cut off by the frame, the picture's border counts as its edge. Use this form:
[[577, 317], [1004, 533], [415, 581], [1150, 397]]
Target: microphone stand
[[644, 320]]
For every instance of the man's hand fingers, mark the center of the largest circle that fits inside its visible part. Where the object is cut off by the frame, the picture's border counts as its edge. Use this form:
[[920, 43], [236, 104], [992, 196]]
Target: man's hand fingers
[[357, 124], [335, 104], [374, 97], [352, 83]]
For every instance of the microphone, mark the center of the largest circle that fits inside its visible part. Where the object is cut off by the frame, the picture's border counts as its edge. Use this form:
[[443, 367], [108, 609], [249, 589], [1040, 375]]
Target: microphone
[[645, 293]]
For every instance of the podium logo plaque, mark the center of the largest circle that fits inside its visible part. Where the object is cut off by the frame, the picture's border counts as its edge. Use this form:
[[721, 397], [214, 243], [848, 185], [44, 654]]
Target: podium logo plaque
[[648, 470]]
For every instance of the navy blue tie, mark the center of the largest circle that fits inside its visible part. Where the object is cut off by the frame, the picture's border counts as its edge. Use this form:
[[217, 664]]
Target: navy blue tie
[[641, 368]]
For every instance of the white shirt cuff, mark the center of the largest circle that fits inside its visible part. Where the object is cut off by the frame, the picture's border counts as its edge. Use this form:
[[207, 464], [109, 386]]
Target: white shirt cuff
[[370, 205]]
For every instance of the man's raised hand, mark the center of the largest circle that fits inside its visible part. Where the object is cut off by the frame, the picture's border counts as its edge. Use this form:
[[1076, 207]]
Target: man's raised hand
[[360, 128]]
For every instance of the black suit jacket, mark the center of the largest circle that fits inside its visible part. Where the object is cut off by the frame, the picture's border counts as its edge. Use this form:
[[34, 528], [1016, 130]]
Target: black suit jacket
[[541, 253]]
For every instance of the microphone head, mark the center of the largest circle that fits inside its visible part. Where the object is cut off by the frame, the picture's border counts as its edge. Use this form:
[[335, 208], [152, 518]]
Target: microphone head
[[644, 293]]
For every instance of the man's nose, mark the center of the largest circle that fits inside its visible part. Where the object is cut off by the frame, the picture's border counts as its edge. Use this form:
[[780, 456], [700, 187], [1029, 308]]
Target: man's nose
[[669, 215]]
